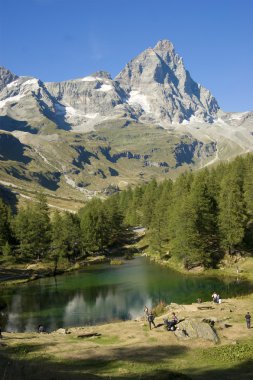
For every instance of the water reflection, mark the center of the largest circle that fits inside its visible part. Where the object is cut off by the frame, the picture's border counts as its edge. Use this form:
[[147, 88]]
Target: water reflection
[[105, 293]]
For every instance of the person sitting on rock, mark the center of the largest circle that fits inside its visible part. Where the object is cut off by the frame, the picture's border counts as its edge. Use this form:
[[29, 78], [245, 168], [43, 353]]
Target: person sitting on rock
[[215, 297], [171, 324]]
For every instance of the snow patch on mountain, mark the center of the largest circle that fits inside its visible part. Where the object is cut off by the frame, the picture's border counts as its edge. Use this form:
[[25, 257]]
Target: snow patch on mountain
[[105, 87], [11, 99], [12, 84], [238, 115], [90, 79], [136, 98], [91, 115]]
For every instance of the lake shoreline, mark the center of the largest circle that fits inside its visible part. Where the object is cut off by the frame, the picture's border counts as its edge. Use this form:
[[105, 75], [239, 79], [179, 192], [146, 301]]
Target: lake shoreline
[[129, 350], [28, 275], [230, 272]]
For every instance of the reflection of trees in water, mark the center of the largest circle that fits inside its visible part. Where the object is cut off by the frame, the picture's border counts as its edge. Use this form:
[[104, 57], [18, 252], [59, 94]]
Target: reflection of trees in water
[[99, 295], [188, 289], [79, 307], [108, 303]]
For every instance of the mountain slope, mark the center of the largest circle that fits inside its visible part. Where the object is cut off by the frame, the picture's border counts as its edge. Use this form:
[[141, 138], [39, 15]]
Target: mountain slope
[[94, 134]]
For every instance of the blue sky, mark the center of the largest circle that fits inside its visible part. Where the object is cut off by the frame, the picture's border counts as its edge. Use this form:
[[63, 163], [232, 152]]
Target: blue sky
[[56, 40]]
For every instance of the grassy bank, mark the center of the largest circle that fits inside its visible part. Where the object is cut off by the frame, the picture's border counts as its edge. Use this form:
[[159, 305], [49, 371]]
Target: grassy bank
[[21, 273], [129, 350]]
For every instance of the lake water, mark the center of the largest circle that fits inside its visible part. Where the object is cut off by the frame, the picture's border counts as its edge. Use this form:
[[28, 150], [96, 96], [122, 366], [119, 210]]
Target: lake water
[[104, 293]]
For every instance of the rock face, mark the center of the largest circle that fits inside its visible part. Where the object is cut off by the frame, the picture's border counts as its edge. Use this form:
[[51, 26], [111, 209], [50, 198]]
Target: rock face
[[158, 82], [192, 329], [6, 77], [154, 87], [150, 121]]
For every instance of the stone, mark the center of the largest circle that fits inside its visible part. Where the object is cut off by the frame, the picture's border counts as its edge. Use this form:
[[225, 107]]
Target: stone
[[62, 331], [195, 329]]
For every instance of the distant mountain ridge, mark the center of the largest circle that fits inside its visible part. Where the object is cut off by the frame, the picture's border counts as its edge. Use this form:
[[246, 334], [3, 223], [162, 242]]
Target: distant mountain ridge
[[82, 136]]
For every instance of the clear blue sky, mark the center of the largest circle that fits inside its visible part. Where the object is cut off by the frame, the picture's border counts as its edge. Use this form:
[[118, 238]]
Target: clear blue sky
[[56, 40]]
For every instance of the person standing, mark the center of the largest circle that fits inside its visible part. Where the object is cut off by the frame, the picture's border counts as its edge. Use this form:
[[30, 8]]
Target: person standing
[[151, 319], [146, 312], [248, 319]]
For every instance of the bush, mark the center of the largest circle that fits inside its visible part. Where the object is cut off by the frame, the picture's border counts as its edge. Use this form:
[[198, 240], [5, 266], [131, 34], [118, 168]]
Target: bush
[[116, 262], [159, 309]]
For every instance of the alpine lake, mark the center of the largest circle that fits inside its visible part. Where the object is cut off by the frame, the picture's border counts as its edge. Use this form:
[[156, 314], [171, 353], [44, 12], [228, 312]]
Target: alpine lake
[[105, 293]]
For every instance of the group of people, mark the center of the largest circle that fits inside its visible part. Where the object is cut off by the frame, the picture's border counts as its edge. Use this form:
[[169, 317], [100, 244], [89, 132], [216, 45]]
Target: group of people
[[170, 325]]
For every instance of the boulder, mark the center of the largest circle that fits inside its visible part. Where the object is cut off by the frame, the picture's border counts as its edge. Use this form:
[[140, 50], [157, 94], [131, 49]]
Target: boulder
[[193, 329], [62, 331]]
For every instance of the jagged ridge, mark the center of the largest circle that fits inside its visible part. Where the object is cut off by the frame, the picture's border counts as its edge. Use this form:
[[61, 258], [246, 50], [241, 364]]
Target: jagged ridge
[[154, 87]]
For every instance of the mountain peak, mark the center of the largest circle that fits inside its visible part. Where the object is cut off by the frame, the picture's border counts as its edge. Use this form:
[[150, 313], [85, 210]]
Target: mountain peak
[[164, 45], [102, 74], [6, 76]]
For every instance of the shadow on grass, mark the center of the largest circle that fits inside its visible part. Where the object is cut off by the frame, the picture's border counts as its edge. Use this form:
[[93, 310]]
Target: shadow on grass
[[32, 362], [242, 371]]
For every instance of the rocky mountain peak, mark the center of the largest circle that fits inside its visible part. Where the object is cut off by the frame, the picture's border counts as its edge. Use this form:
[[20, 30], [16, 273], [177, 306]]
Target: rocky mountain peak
[[153, 87], [101, 74], [165, 50], [6, 77], [158, 82], [164, 45]]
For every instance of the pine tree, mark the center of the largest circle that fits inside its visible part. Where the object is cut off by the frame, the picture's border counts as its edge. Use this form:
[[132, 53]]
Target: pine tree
[[158, 232], [232, 216], [248, 200], [32, 229], [5, 226], [205, 207], [94, 227], [248, 186], [148, 202], [65, 241], [115, 219], [134, 212], [186, 242]]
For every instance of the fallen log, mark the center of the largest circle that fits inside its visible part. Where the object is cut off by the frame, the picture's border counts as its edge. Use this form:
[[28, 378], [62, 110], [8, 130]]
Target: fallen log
[[88, 335]]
